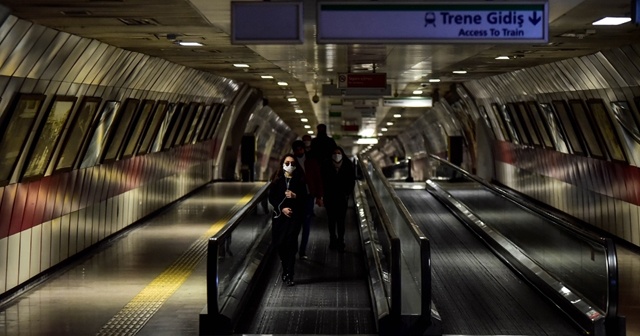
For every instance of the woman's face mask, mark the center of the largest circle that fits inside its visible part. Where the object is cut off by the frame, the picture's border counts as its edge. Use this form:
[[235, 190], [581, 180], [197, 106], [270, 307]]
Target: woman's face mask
[[336, 157], [289, 168]]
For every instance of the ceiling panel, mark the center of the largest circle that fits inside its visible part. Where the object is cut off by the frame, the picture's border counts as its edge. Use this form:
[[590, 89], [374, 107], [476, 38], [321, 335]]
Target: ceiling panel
[[153, 26]]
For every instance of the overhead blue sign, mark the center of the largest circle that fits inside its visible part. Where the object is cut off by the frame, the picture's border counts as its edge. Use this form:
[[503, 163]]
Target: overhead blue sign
[[469, 22], [263, 22]]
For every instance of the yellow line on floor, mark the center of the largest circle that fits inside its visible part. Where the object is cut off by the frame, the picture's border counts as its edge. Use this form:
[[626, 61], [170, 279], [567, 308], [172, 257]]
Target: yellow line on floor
[[143, 306]]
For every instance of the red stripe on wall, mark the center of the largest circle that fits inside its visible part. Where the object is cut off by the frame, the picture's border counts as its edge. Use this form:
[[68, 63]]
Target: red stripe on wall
[[31, 205], [8, 196], [613, 179], [17, 214], [25, 205]]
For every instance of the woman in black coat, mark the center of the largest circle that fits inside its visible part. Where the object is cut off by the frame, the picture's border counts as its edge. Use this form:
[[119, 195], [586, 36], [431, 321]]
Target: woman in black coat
[[287, 194]]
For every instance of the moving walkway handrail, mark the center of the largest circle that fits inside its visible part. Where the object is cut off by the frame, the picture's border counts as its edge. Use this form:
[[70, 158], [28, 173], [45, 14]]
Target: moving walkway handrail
[[216, 300], [586, 234], [422, 255], [395, 295], [607, 244]]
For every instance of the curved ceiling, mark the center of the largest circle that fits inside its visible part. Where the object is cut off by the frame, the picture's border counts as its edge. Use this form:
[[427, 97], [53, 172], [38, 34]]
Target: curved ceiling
[[153, 26]]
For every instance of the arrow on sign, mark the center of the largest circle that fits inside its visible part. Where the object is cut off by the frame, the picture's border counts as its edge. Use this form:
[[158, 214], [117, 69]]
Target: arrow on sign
[[535, 19]]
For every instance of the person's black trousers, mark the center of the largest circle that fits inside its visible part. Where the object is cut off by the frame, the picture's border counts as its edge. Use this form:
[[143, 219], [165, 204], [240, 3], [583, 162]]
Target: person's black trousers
[[284, 235]]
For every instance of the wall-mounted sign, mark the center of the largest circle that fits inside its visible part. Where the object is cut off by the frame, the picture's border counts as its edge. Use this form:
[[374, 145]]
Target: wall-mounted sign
[[469, 22], [265, 22], [362, 80], [363, 92], [408, 102]]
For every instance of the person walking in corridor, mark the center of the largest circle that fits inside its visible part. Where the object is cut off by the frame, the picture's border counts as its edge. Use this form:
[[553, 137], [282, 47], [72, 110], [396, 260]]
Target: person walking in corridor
[[322, 144], [312, 176], [287, 194], [338, 176]]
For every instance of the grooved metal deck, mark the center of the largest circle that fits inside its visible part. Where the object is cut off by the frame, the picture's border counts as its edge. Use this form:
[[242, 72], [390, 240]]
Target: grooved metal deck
[[474, 292], [331, 295]]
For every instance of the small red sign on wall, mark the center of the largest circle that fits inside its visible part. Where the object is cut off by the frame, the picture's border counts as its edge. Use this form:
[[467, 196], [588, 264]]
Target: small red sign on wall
[[350, 128], [362, 80]]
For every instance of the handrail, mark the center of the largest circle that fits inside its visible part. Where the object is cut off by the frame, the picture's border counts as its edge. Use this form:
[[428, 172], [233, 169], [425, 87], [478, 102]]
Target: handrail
[[415, 233], [586, 234], [374, 250], [607, 244], [396, 292], [213, 294], [240, 215]]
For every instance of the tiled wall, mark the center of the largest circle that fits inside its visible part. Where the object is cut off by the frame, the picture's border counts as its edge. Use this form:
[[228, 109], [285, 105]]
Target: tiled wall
[[49, 219], [601, 191]]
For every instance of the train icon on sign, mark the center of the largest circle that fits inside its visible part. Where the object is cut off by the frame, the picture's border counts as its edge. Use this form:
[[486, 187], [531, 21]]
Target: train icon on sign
[[429, 19]]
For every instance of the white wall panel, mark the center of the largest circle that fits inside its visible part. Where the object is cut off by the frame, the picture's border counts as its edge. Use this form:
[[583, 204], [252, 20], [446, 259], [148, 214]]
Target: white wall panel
[[13, 260], [85, 218], [36, 251], [55, 241], [64, 236], [3, 263], [45, 255], [634, 215], [73, 233], [24, 272]]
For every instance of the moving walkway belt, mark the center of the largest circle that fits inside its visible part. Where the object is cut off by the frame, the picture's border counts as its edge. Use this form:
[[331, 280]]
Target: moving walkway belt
[[473, 290], [331, 295]]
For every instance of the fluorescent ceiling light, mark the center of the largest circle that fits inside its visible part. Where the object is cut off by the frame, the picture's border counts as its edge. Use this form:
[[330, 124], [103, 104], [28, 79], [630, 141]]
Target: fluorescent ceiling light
[[309, 132], [190, 44], [292, 100], [266, 77], [389, 123], [434, 80], [283, 83], [380, 134], [367, 141], [397, 115], [502, 57], [299, 111], [611, 21], [241, 65], [304, 119], [367, 132], [462, 72], [417, 92], [384, 129], [307, 126]]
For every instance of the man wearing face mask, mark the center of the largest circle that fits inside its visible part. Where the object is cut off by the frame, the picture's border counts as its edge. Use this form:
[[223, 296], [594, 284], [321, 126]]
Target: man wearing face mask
[[311, 170], [287, 194], [338, 176]]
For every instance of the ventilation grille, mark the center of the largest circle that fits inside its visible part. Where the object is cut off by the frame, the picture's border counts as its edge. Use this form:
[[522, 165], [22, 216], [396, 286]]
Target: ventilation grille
[[139, 22], [76, 13]]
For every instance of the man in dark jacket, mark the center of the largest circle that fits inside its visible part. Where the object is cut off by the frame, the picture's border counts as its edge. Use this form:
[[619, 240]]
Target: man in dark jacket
[[311, 169], [338, 177], [322, 144]]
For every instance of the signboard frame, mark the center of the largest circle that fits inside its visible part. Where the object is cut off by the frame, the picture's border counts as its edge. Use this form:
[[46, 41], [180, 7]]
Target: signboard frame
[[323, 7], [268, 10]]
